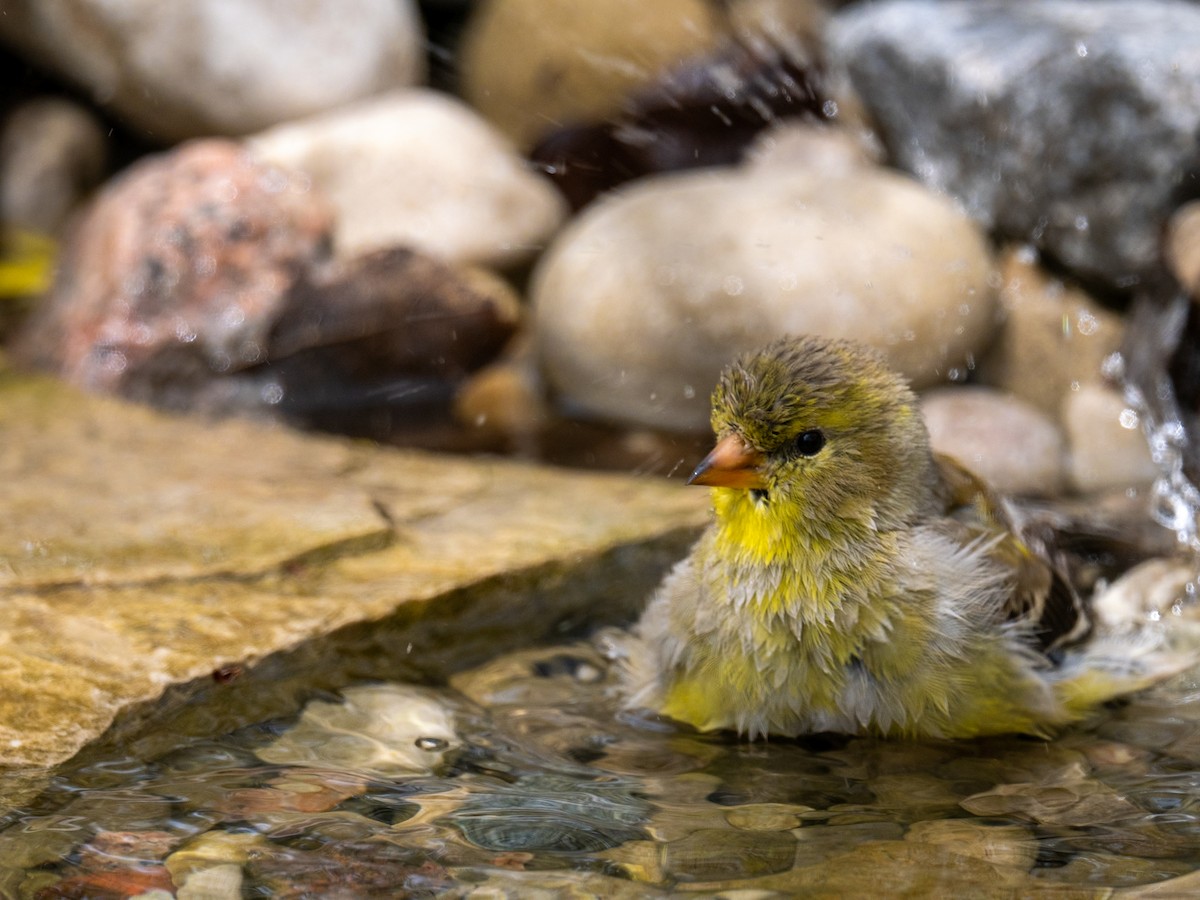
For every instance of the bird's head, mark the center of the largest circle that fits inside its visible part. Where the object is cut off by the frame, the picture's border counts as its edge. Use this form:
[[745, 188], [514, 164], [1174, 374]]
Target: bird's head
[[821, 430]]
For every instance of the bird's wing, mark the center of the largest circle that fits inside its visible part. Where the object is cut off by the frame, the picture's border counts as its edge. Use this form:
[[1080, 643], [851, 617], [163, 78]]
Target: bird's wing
[[1043, 597]]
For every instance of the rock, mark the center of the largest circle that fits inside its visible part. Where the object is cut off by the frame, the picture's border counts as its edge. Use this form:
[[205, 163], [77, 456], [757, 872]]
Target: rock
[[1078, 803], [177, 273], [1107, 446], [911, 869], [1180, 886], [530, 64], [1004, 845], [1183, 246], [817, 843], [211, 864], [1086, 165], [222, 881], [702, 112], [388, 334], [202, 281], [1014, 447], [1125, 876], [765, 816], [1155, 590], [181, 70], [715, 854], [1054, 337], [504, 401], [381, 729], [147, 555], [798, 145], [420, 169], [643, 299], [52, 153]]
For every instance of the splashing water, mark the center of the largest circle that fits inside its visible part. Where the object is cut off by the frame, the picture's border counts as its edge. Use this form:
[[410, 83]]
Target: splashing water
[[1175, 500]]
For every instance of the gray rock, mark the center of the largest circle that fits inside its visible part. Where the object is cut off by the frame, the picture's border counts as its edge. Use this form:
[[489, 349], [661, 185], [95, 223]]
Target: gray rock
[[213, 67], [1065, 122]]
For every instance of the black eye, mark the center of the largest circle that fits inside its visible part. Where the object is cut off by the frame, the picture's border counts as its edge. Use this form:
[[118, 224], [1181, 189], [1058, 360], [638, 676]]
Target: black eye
[[809, 443]]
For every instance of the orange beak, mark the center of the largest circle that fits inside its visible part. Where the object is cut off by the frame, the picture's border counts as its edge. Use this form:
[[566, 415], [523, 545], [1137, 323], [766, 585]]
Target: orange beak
[[732, 463]]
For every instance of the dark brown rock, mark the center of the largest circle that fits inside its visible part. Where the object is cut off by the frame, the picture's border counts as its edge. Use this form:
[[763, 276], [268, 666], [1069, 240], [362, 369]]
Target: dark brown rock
[[391, 324]]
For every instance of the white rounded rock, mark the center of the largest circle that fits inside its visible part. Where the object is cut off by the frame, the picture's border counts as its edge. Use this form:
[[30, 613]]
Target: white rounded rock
[[1107, 446], [1010, 444], [648, 294], [420, 169], [225, 67]]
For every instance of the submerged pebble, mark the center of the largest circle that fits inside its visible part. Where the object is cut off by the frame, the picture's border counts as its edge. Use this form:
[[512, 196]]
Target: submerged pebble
[[385, 729]]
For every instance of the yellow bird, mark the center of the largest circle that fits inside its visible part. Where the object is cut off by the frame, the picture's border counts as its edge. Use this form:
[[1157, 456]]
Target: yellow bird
[[853, 580]]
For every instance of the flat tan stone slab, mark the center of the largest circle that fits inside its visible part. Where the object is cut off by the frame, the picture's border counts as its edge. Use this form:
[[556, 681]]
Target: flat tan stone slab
[[97, 491], [141, 553]]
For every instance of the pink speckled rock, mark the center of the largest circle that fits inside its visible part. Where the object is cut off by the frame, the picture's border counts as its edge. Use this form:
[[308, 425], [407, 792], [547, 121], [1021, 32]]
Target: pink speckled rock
[[177, 273]]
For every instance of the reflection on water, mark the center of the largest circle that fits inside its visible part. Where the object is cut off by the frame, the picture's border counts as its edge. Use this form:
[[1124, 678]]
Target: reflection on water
[[522, 779]]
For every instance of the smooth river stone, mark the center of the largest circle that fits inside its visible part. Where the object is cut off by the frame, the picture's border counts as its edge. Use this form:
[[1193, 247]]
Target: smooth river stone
[[644, 298]]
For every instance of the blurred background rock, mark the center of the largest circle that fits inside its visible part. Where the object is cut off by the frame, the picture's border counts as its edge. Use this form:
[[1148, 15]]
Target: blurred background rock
[[980, 190]]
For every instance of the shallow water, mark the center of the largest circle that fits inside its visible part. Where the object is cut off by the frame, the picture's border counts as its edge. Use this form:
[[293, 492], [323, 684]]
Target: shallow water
[[521, 779]]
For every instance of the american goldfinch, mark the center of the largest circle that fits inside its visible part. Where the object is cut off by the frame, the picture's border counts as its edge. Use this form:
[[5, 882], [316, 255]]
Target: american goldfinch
[[853, 580]]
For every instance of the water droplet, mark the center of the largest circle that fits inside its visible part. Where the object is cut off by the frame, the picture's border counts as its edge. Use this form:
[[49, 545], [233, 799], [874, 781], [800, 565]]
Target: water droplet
[[1128, 419], [1081, 223], [689, 392], [1113, 367], [830, 109], [1081, 49], [272, 394], [232, 316], [1087, 323], [431, 744], [586, 673]]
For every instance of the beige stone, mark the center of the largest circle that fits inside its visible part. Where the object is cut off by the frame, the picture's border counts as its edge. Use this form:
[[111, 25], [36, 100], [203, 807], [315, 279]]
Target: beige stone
[[52, 153], [646, 295], [178, 70], [531, 65], [1183, 246], [150, 563], [1107, 448], [1012, 445], [1005, 845], [1053, 336], [420, 169]]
